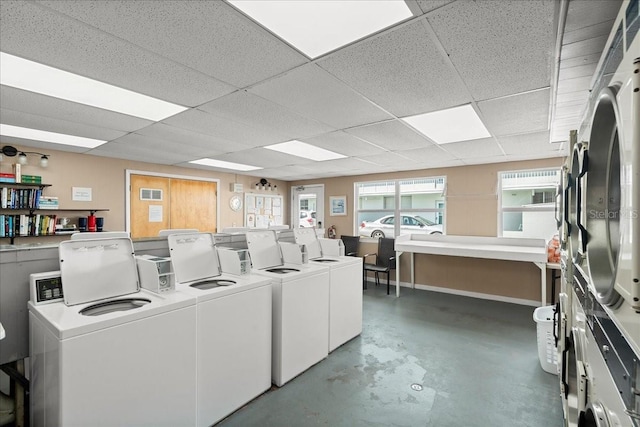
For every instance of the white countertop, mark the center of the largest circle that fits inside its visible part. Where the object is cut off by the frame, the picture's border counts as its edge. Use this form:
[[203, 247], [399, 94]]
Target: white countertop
[[502, 248]]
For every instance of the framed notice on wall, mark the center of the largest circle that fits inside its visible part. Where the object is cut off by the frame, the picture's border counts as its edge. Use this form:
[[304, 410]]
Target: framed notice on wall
[[338, 205], [262, 210]]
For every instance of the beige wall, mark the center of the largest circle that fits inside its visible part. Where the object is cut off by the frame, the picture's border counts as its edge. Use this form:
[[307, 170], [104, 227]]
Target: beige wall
[[107, 178], [471, 210]]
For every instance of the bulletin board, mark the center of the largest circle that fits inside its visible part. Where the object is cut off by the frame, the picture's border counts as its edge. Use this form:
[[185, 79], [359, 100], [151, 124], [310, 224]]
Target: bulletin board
[[263, 210]]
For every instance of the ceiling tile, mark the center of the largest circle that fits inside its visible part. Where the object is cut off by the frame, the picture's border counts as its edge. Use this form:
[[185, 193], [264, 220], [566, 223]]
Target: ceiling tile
[[263, 157], [522, 113], [392, 135], [588, 32], [40, 146], [152, 150], [260, 113], [30, 31], [474, 149], [313, 93], [525, 144], [344, 143], [396, 71], [583, 47], [578, 71], [591, 58], [32, 103], [429, 5], [427, 157], [387, 159], [202, 122], [206, 143], [32, 121], [209, 36], [587, 13], [484, 42]]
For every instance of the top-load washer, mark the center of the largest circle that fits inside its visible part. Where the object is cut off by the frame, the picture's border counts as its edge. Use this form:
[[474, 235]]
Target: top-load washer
[[111, 353], [300, 307], [233, 327], [345, 288]]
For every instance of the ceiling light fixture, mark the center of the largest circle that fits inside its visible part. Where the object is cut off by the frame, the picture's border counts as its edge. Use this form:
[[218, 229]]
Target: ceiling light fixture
[[304, 150], [42, 135], [316, 27], [263, 184], [35, 77], [451, 125], [224, 165], [11, 151]]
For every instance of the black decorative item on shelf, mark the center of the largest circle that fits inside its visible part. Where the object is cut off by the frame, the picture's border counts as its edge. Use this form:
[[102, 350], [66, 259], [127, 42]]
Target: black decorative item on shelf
[[11, 151]]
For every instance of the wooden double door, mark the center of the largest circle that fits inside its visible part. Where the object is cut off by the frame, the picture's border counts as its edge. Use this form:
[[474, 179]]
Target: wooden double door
[[158, 203]]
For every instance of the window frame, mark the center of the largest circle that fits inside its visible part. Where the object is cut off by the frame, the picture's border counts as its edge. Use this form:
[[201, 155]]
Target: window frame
[[501, 209], [398, 210]]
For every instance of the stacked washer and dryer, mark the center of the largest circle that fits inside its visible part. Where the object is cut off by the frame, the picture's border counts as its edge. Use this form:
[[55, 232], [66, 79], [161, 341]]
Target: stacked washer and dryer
[[599, 310]]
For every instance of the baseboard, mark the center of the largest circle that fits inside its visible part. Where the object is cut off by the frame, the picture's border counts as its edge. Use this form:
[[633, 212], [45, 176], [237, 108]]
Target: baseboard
[[491, 297]]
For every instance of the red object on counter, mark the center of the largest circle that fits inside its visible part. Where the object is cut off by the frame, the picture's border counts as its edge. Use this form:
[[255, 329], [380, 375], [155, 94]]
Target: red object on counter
[[91, 223]]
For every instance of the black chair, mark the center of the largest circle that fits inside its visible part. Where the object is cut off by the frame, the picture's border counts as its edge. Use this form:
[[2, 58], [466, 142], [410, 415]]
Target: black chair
[[351, 245], [385, 261]]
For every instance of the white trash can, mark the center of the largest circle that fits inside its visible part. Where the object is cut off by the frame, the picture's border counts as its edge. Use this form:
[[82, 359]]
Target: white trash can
[[547, 352]]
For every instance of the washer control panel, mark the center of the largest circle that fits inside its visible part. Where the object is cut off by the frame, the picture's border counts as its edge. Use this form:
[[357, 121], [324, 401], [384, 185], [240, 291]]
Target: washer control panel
[[46, 287]]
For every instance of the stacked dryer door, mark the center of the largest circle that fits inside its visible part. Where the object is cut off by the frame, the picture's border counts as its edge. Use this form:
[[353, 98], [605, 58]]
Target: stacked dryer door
[[610, 231]]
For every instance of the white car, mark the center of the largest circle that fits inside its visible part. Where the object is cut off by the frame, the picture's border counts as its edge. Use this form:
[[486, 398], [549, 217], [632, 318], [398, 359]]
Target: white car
[[384, 227], [307, 219]]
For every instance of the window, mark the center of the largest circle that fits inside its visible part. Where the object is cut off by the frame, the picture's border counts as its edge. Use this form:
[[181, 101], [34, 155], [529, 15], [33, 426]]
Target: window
[[527, 203], [421, 207]]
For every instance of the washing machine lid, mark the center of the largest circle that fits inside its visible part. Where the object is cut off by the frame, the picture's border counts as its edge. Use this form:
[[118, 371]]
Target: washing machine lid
[[309, 238], [264, 249], [193, 256], [97, 269]]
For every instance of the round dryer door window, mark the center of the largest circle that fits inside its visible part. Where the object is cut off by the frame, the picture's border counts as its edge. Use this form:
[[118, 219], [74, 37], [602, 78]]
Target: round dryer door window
[[603, 198]]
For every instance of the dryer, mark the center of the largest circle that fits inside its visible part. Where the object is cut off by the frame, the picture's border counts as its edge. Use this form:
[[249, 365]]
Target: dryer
[[611, 188], [300, 337], [233, 328], [345, 288], [110, 353]]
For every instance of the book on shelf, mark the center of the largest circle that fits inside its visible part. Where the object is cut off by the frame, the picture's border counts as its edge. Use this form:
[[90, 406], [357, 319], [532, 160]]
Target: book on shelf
[[31, 179], [48, 202], [17, 171]]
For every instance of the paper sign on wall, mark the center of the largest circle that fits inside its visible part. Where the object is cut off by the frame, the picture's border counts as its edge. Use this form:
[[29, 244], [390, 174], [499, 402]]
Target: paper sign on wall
[[155, 213], [81, 194]]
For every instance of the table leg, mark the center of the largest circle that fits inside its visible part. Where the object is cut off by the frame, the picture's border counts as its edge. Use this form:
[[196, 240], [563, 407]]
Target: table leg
[[413, 271], [543, 282], [398, 273]]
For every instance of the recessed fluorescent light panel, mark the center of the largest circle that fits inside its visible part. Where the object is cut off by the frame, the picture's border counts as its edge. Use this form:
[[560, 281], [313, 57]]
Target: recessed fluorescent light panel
[[34, 77], [42, 135], [451, 125], [307, 151], [316, 27], [225, 165]]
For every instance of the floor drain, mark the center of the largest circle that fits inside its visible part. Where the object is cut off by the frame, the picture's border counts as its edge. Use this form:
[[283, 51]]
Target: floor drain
[[416, 387]]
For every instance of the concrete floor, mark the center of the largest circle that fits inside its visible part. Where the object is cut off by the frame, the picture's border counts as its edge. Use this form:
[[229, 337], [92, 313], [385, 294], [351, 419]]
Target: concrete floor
[[476, 361]]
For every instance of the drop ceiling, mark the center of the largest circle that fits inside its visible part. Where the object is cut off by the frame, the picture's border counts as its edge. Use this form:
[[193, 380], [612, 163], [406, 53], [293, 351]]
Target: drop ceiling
[[525, 67]]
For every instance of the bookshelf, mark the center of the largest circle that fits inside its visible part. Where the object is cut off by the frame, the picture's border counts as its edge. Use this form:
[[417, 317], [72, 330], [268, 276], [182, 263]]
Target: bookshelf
[[22, 216]]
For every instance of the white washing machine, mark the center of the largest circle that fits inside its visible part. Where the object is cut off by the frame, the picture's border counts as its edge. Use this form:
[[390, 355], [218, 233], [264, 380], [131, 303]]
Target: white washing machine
[[109, 354], [233, 327], [300, 307], [345, 288]]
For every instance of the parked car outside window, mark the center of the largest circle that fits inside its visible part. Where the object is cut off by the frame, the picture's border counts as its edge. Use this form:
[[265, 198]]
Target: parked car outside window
[[384, 227], [307, 219]]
